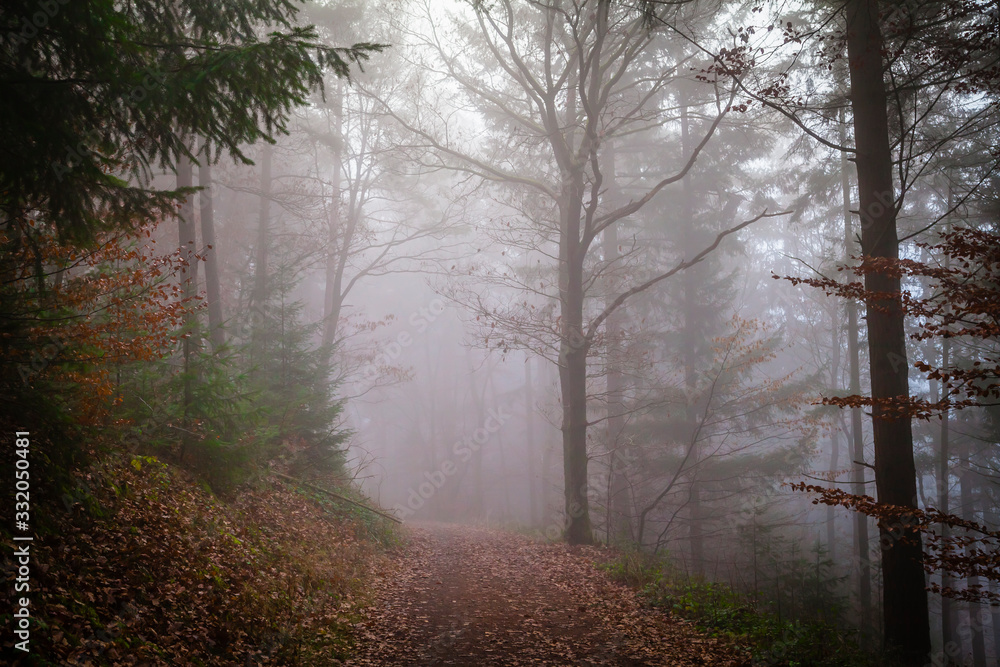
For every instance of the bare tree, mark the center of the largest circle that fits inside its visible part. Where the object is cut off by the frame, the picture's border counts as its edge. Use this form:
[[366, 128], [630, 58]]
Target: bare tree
[[557, 81]]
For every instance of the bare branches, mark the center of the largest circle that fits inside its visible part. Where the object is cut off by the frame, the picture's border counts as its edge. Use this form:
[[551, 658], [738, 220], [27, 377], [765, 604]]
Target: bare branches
[[681, 266], [611, 218]]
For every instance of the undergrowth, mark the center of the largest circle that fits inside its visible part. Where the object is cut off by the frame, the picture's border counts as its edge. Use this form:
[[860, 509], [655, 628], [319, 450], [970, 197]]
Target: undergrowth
[[144, 566], [718, 609]]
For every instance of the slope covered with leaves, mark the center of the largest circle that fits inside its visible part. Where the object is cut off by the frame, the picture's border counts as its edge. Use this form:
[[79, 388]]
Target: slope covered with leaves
[[146, 567]]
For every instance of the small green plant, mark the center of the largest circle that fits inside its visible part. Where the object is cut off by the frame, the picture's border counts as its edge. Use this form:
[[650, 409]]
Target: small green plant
[[718, 609], [635, 569]]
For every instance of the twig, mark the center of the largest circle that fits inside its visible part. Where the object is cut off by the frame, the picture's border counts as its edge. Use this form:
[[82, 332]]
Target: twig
[[338, 496]]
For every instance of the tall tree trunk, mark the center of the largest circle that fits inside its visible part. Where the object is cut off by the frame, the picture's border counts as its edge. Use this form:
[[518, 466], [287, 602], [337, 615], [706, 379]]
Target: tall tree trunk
[[861, 544], [188, 243], [619, 515], [905, 599], [831, 513], [531, 445], [214, 292], [260, 288], [573, 360], [968, 500], [549, 499], [944, 504], [573, 382], [948, 636], [573, 345], [187, 230], [619, 526], [263, 224], [336, 245], [688, 336]]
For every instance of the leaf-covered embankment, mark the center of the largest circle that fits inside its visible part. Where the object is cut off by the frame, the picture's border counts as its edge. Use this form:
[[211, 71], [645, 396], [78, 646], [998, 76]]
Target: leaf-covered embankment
[[145, 567]]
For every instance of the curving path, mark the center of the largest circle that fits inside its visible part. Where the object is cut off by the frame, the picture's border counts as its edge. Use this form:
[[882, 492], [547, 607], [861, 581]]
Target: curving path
[[460, 595]]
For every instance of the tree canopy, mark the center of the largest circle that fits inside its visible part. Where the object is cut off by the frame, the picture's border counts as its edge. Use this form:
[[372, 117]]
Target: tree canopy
[[99, 94]]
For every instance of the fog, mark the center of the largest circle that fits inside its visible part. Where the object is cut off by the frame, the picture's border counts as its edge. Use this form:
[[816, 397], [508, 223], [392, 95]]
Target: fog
[[537, 271]]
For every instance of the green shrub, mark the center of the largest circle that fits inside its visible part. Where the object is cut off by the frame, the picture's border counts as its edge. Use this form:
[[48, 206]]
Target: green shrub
[[718, 609]]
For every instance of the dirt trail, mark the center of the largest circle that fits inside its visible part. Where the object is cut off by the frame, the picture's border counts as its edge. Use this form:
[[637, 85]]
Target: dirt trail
[[470, 596]]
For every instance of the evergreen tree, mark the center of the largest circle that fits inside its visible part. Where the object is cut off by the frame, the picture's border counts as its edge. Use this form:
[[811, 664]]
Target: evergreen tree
[[97, 94]]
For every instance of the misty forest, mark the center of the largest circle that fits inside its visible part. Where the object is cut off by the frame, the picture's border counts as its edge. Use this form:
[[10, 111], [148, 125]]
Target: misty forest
[[500, 332]]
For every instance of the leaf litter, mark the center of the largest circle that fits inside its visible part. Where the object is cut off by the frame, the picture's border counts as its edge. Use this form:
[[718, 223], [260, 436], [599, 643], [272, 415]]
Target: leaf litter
[[460, 595]]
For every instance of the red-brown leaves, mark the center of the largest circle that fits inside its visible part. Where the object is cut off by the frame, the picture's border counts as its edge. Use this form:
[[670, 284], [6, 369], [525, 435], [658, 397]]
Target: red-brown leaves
[[170, 575], [961, 300], [471, 596], [95, 311], [967, 549]]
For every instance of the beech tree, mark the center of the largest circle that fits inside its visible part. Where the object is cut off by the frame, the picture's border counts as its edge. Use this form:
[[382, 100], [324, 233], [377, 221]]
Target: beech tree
[[909, 67], [560, 91]]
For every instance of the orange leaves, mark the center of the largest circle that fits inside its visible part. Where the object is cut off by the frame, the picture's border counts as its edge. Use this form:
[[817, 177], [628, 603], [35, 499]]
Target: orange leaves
[[966, 549], [99, 310], [958, 298], [475, 596]]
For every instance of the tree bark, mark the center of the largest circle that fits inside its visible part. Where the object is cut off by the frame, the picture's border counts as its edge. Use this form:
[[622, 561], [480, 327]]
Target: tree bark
[[619, 521], [336, 245], [213, 291], [861, 543], [573, 382], [967, 497], [688, 335], [905, 599], [188, 243]]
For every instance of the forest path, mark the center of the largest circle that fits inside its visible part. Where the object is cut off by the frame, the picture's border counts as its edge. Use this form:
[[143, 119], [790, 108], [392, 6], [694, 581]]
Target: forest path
[[471, 596]]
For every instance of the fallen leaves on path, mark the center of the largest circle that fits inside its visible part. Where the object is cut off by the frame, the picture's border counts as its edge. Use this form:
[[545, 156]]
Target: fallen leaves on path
[[460, 595]]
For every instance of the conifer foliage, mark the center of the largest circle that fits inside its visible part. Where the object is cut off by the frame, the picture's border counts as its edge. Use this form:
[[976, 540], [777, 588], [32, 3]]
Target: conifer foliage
[[96, 92], [97, 96]]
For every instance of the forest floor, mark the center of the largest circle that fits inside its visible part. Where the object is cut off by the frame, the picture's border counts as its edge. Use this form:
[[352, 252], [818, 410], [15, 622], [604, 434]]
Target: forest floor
[[460, 595]]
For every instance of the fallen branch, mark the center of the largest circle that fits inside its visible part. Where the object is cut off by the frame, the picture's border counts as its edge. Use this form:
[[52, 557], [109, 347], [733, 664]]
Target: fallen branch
[[337, 496]]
